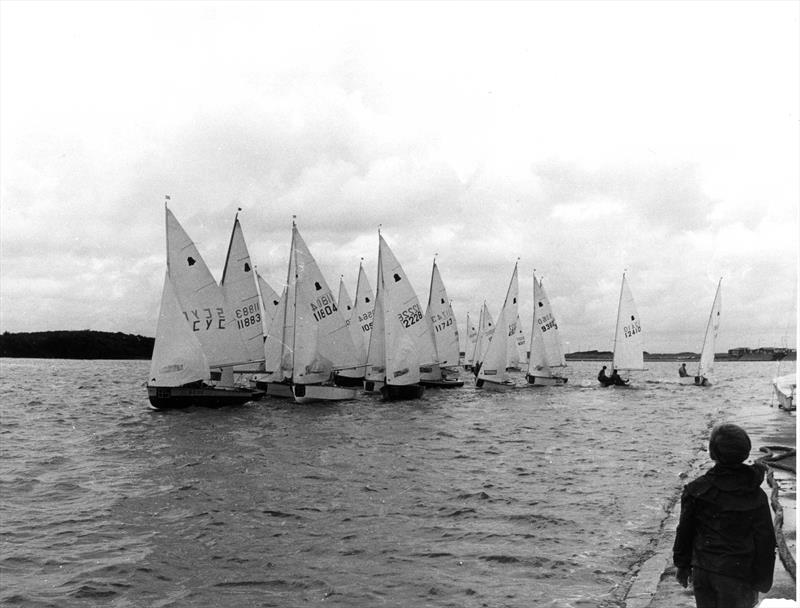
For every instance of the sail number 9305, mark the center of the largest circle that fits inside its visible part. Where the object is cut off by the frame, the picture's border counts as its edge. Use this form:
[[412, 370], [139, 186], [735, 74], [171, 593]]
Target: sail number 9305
[[410, 315]]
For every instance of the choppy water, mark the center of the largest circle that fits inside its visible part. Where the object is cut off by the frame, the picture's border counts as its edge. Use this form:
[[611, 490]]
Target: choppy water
[[544, 497]]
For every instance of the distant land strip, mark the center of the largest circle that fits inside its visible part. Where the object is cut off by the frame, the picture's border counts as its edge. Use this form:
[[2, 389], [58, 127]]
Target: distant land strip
[[88, 344], [81, 344]]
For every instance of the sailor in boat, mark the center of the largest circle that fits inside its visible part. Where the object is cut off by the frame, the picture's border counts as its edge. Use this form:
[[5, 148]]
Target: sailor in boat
[[603, 379], [682, 371], [701, 381], [617, 380]]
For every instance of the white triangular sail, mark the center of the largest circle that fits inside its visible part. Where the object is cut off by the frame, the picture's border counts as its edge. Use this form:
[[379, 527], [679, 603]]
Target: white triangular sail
[[348, 310], [201, 299], [269, 302], [408, 341], [706, 364], [274, 346], [376, 353], [472, 337], [628, 339], [485, 332], [512, 321], [546, 351], [522, 344], [322, 340], [495, 361], [178, 357], [402, 300], [238, 286], [365, 305], [443, 322]]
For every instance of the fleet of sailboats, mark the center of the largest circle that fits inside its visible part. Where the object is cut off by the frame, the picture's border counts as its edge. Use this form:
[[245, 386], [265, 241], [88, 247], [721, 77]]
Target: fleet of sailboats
[[306, 345]]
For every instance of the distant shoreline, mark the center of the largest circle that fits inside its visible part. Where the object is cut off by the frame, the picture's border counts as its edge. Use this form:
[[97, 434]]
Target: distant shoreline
[[89, 344]]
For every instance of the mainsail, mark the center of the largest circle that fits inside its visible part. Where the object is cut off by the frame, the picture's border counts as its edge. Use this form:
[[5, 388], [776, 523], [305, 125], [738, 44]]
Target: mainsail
[[238, 286], [348, 310], [546, 352], [512, 321], [364, 305], [442, 321], [628, 342], [322, 341], [706, 364]]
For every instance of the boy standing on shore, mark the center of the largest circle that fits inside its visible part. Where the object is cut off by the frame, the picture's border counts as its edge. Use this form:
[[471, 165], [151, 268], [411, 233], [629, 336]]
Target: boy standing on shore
[[725, 541]]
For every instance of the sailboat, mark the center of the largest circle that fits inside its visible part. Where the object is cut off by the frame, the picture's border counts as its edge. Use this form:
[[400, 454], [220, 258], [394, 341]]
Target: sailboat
[[313, 341], [354, 376], [278, 368], [442, 326], [515, 358], [240, 291], [469, 347], [485, 332], [493, 369], [706, 364], [547, 357], [193, 334], [400, 341], [628, 338]]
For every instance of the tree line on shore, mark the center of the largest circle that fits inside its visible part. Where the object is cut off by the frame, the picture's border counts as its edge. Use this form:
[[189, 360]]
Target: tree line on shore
[[89, 344]]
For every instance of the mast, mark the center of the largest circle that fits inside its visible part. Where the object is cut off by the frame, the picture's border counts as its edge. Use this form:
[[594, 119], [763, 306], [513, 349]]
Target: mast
[[230, 244], [616, 326]]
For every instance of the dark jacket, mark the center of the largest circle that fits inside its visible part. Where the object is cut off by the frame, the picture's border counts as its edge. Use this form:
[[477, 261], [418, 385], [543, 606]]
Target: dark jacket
[[726, 525]]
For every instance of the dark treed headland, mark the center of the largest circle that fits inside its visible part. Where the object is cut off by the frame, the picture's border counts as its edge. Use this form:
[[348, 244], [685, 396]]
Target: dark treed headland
[[87, 344], [82, 344]]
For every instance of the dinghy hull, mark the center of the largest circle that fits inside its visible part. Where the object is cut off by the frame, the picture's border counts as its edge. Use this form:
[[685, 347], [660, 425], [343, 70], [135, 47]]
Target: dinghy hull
[[311, 393], [174, 397], [394, 392], [546, 380], [348, 381], [495, 387]]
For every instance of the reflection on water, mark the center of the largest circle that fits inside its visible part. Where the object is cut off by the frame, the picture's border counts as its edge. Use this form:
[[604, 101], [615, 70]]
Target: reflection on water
[[546, 497]]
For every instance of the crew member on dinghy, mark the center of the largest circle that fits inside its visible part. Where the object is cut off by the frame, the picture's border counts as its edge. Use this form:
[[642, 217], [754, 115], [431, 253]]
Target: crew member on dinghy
[[682, 371], [617, 380], [602, 378]]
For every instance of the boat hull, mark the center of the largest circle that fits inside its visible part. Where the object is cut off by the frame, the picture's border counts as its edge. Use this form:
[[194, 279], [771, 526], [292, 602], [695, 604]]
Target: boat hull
[[401, 392], [281, 390], [443, 383], [785, 390], [175, 397], [311, 393], [694, 380], [546, 380], [348, 381], [373, 386], [495, 387]]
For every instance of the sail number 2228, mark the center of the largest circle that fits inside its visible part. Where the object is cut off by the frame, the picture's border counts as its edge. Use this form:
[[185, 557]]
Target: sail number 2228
[[410, 315]]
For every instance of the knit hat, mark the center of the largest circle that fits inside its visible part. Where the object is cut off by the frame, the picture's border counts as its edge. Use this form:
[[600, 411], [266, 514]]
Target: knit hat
[[729, 444]]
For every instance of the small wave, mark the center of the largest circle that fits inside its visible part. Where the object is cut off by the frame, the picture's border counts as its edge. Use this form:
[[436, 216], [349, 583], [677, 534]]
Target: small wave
[[502, 559], [273, 513], [479, 495]]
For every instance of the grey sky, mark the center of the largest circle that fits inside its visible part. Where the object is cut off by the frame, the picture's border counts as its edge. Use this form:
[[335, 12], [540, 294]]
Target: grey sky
[[582, 138]]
